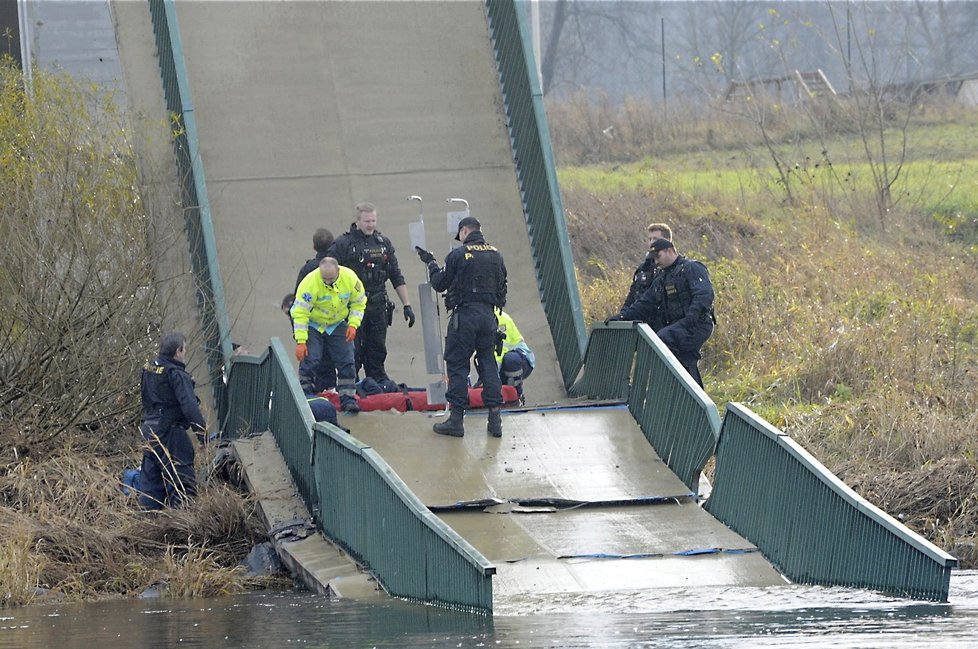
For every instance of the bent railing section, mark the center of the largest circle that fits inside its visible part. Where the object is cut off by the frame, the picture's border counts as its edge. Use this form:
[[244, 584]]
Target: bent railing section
[[209, 287], [369, 511], [608, 362], [674, 413], [537, 177], [357, 499], [627, 360], [290, 422], [248, 401], [809, 524]]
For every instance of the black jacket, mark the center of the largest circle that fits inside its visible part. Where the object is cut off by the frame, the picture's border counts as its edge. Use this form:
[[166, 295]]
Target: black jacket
[[308, 267], [474, 272], [680, 293], [641, 280], [371, 257], [168, 394]]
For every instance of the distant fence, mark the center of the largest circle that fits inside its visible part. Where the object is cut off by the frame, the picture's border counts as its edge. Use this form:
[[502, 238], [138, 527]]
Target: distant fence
[[809, 524], [537, 176], [357, 499], [208, 285], [627, 360]]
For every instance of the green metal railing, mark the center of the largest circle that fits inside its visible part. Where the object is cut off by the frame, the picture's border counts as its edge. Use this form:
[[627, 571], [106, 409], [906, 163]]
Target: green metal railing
[[608, 362], [248, 399], [533, 155], [208, 285], [290, 421], [809, 524], [675, 415], [263, 393], [357, 500], [368, 510]]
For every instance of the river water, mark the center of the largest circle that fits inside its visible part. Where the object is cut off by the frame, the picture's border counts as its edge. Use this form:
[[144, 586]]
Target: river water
[[743, 617]]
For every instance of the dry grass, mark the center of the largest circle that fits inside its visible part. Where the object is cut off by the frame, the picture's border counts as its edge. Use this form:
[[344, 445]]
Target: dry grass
[[71, 530]]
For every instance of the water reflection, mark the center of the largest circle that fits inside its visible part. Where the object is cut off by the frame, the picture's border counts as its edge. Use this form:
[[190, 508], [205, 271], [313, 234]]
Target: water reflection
[[745, 617]]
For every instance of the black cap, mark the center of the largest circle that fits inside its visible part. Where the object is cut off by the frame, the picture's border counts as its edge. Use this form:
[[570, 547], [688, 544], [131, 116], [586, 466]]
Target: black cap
[[468, 222], [660, 244]]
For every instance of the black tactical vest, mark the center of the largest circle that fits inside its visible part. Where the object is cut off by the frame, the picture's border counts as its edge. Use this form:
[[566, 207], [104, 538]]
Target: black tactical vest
[[481, 277]]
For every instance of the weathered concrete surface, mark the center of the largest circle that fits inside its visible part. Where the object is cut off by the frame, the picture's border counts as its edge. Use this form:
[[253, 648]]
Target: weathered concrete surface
[[653, 537], [306, 108], [321, 566]]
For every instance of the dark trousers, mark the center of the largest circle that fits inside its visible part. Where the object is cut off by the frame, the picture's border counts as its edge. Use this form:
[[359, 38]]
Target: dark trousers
[[340, 354], [324, 376], [472, 329], [167, 475], [371, 342], [684, 341]]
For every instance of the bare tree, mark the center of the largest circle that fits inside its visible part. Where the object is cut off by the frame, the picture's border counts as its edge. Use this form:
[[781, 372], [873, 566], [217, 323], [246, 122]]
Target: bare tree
[[78, 305], [585, 40]]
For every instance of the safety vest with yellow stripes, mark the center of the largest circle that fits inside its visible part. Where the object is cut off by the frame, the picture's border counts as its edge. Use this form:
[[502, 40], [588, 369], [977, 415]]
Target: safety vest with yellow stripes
[[513, 339], [324, 307]]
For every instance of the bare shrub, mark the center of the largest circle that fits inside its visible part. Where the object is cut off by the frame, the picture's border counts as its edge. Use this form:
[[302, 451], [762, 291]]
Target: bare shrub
[[72, 530], [81, 302], [77, 304]]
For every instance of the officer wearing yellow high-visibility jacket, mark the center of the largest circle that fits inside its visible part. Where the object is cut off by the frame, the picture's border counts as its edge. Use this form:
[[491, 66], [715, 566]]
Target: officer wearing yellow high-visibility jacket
[[514, 358], [327, 311]]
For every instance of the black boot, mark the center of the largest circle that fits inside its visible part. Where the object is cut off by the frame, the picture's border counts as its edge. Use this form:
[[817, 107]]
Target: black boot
[[453, 425], [495, 426]]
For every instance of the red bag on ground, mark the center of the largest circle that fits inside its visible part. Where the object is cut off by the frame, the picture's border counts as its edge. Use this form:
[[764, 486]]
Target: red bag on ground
[[416, 400]]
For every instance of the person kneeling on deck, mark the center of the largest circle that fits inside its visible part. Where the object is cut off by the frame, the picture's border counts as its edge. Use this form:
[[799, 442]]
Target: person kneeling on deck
[[328, 308], [513, 356], [474, 279]]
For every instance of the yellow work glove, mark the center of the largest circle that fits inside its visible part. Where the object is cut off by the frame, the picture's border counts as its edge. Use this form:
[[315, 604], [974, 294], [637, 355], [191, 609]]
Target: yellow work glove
[[351, 333], [301, 351]]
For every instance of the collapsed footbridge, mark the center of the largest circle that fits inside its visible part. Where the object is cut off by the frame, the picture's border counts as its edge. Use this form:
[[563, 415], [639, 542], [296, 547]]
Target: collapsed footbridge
[[289, 114]]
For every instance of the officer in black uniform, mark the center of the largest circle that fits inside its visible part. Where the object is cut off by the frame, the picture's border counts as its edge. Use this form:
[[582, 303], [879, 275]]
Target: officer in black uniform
[[642, 278], [678, 305], [474, 279], [322, 239], [170, 407], [371, 256]]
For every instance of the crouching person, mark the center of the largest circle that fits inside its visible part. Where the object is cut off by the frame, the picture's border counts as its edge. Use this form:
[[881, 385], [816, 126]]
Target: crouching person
[[170, 407]]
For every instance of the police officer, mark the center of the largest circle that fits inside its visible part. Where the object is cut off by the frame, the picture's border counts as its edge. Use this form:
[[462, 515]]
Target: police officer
[[371, 255], [678, 305], [170, 407], [474, 278], [328, 309], [322, 240], [642, 278]]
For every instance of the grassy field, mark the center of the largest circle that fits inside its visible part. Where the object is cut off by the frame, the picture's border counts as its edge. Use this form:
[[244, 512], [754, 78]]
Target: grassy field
[[853, 329]]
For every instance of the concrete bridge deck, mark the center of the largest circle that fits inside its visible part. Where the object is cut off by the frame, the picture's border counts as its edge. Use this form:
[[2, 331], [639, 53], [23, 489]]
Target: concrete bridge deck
[[600, 510]]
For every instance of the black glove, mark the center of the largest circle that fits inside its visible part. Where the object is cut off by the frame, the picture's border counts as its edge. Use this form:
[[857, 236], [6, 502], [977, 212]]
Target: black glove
[[424, 255], [500, 337], [409, 315], [614, 318]]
